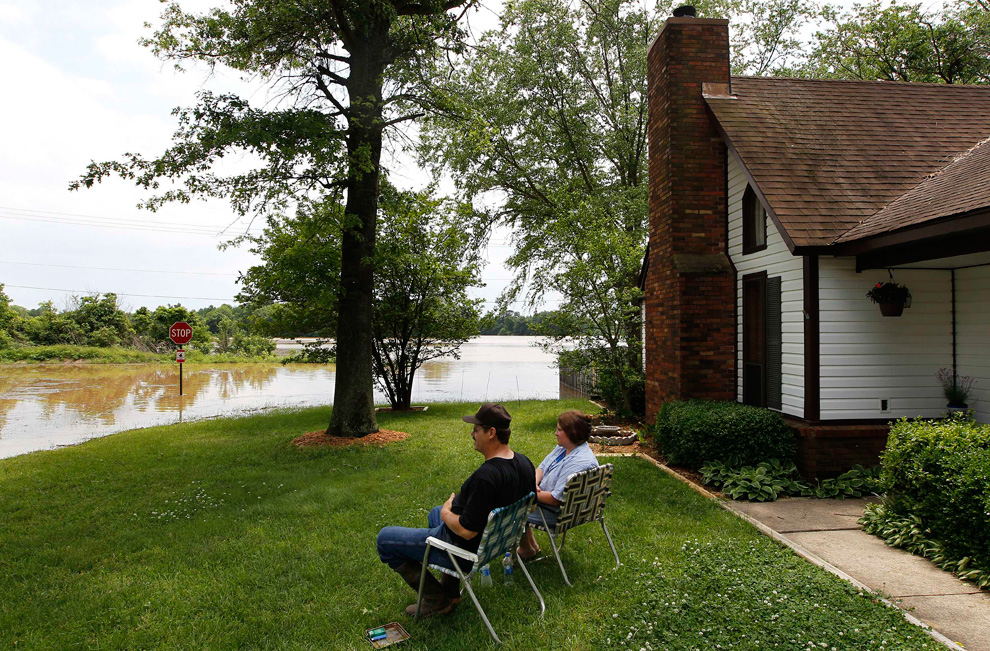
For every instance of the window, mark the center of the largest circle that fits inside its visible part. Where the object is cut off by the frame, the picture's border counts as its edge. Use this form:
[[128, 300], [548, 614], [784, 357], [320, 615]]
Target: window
[[762, 350], [754, 222]]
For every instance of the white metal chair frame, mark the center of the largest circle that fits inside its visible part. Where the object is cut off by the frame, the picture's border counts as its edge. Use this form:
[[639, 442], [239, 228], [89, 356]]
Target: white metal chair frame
[[584, 501], [505, 528]]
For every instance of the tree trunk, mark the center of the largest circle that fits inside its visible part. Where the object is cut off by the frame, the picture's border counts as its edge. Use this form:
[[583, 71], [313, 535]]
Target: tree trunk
[[353, 399]]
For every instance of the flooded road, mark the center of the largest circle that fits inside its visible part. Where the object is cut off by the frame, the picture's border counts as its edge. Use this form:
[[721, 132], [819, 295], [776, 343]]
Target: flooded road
[[46, 406]]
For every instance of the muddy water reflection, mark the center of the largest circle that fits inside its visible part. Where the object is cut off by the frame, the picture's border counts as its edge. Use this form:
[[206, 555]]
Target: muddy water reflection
[[50, 405]]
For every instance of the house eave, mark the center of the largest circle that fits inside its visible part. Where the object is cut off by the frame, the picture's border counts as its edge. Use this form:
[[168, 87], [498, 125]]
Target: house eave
[[961, 234]]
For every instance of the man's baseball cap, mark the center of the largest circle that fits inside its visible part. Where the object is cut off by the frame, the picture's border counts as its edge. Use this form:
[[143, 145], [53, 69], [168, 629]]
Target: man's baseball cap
[[491, 414]]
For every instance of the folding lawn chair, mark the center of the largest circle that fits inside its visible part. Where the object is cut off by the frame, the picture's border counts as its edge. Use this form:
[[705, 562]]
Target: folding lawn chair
[[584, 501], [505, 527]]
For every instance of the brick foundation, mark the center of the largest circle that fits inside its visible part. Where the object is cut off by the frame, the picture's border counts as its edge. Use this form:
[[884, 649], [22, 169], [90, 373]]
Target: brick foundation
[[828, 450]]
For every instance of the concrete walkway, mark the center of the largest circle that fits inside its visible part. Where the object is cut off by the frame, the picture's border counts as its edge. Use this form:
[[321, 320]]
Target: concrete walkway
[[826, 533]]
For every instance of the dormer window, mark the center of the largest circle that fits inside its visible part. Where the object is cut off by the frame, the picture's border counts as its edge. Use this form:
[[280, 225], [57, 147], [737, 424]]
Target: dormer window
[[754, 222]]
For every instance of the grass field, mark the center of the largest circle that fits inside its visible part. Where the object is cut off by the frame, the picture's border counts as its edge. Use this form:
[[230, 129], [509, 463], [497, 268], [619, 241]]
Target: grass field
[[219, 534]]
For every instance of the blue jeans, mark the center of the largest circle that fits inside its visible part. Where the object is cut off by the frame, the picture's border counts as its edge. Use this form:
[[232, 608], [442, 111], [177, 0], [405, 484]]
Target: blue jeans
[[550, 512], [397, 545]]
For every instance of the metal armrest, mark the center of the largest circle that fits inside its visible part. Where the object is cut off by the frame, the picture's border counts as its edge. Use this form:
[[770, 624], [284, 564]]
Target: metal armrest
[[451, 548]]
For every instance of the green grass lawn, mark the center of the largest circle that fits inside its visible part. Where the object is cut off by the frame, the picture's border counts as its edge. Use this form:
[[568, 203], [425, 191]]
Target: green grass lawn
[[218, 534]]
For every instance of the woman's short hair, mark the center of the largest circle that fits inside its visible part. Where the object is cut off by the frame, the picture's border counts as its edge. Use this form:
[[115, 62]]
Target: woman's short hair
[[575, 425]]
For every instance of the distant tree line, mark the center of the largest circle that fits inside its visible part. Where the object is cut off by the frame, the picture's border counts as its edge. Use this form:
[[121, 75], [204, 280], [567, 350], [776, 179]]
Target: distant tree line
[[98, 320], [511, 322]]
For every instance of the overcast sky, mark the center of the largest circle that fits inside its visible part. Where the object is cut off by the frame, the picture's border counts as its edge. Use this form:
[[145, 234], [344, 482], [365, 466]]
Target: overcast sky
[[78, 87]]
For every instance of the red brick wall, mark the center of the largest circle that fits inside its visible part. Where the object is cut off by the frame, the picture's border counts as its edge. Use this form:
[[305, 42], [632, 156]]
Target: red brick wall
[[690, 285], [829, 450]]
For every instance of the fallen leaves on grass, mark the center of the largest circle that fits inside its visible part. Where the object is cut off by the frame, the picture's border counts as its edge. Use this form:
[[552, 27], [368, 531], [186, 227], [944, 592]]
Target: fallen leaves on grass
[[319, 438]]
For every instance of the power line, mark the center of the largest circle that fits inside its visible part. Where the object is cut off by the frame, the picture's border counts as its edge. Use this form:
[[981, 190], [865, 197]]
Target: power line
[[148, 271], [153, 222], [88, 291], [136, 225]]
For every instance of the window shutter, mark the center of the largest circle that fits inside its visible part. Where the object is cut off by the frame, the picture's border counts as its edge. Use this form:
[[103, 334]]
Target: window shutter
[[774, 344]]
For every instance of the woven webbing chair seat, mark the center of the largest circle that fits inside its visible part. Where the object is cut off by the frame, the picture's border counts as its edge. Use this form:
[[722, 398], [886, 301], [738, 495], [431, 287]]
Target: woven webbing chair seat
[[505, 528], [584, 501]]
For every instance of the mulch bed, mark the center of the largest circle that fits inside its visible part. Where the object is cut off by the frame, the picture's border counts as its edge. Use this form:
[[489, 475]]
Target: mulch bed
[[319, 438], [691, 475]]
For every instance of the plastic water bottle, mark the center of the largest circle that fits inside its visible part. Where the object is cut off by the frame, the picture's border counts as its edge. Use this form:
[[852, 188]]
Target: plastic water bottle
[[486, 575], [507, 564]]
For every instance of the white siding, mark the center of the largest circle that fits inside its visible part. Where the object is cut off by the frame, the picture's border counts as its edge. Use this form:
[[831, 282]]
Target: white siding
[[973, 335], [777, 261], [866, 357]]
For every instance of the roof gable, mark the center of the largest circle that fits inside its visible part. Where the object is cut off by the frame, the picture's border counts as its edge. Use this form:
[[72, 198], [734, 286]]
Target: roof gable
[[828, 155]]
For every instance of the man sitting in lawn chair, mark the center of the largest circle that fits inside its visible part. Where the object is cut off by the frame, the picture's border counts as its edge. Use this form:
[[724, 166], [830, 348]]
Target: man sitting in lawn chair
[[505, 477]]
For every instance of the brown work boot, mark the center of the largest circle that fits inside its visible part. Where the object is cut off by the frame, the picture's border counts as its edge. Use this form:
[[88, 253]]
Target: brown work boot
[[451, 587], [434, 600]]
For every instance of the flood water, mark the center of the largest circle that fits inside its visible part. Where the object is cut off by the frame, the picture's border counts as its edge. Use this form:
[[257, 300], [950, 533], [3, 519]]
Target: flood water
[[50, 405]]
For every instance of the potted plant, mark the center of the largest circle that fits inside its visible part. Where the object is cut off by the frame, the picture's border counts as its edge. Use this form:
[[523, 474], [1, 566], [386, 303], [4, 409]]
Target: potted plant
[[955, 388], [891, 297]]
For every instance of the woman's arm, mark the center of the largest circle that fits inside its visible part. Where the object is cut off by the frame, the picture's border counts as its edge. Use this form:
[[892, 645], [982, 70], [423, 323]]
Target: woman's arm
[[546, 497]]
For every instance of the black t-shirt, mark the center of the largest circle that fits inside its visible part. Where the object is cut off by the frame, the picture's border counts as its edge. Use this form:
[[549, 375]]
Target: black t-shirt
[[498, 482]]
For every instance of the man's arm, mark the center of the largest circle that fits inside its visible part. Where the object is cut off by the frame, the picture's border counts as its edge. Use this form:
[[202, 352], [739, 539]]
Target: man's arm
[[453, 521]]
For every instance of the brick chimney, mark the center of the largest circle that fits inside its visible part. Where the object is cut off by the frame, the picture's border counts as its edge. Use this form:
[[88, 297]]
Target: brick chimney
[[690, 283]]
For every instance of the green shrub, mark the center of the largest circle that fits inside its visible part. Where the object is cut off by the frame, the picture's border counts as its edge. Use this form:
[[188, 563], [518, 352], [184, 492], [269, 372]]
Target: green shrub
[[695, 432], [770, 479], [611, 392], [939, 471], [908, 532]]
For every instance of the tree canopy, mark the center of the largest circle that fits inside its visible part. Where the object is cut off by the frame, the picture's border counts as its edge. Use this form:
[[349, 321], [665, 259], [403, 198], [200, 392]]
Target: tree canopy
[[340, 74], [424, 265], [904, 42]]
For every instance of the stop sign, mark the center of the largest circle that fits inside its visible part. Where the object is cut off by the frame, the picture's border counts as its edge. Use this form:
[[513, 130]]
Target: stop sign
[[180, 332]]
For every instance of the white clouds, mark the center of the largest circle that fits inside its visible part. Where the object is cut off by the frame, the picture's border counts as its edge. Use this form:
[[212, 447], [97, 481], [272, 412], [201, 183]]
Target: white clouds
[[11, 14]]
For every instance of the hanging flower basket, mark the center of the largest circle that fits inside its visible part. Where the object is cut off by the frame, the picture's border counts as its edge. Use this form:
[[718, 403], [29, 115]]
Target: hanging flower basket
[[890, 296], [891, 309]]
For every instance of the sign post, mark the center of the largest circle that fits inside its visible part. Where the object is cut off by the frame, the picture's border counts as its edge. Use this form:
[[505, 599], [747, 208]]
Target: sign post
[[180, 333]]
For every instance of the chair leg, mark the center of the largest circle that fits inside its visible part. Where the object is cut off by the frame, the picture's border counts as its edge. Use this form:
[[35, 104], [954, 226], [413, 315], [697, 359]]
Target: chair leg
[[610, 543], [474, 599], [556, 552], [532, 584], [422, 579]]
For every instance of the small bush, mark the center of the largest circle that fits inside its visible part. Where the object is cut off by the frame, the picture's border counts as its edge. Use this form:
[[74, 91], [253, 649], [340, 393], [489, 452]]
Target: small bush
[[695, 432], [940, 472], [611, 393], [771, 479]]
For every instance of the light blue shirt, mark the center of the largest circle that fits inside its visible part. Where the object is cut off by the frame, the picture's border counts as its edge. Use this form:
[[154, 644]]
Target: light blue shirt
[[557, 468]]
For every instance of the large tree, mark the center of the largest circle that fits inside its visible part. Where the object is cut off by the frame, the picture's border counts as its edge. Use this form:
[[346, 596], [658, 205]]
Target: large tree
[[341, 73], [544, 132], [424, 265], [904, 42]]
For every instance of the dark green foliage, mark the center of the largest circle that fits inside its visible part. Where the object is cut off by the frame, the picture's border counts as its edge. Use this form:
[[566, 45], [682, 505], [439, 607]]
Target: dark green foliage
[[770, 479], [8, 319], [908, 532], [695, 432], [615, 393], [940, 472]]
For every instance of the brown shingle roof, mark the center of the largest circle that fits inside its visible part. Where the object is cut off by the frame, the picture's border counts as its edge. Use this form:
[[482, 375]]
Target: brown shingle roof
[[828, 155], [961, 186]]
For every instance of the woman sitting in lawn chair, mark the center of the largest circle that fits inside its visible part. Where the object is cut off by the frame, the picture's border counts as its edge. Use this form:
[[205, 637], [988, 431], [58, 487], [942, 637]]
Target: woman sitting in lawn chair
[[571, 455]]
